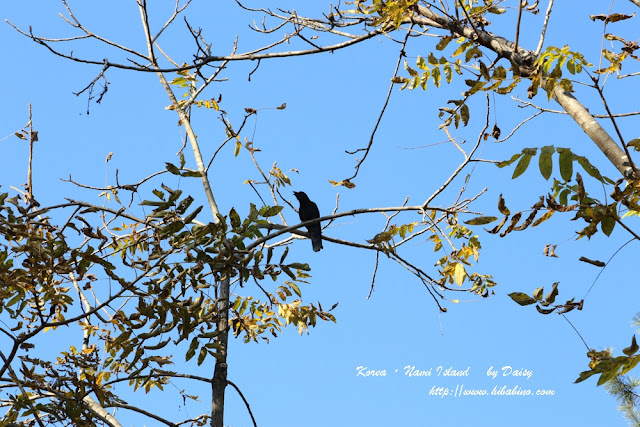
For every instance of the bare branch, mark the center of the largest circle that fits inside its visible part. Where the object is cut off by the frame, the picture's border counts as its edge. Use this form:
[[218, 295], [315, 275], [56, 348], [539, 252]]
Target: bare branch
[[281, 229], [384, 107], [204, 60], [76, 24], [520, 124], [549, 110], [544, 28], [463, 164], [177, 10]]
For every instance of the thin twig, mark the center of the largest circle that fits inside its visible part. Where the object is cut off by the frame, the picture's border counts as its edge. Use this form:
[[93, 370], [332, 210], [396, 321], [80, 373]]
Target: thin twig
[[615, 126], [373, 276], [384, 107], [245, 402], [574, 328], [607, 263], [464, 163], [548, 110], [519, 125], [33, 137]]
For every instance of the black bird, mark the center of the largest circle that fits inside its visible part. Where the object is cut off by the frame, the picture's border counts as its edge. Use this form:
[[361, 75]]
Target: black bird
[[309, 210]]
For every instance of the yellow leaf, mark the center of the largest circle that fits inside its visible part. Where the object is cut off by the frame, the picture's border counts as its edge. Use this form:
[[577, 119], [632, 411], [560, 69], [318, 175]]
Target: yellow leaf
[[459, 273]]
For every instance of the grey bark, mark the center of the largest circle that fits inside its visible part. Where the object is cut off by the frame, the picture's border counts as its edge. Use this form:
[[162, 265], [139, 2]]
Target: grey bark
[[525, 59], [592, 128]]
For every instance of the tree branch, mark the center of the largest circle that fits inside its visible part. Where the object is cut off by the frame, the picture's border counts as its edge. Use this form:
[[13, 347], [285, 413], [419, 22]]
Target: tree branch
[[592, 128]]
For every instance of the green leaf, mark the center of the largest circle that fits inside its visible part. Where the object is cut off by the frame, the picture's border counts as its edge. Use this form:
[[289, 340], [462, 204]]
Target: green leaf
[[202, 355], [195, 174], [522, 165], [607, 223], [589, 168], [288, 271], [584, 375], [172, 168], [484, 71], [630, 364], [171, 229], [566, 164], [268, 211], [159, 194], [300, 266], [499, 73], [545, 163], [522, 298], [236, 222], [508, 162], [464, 114], [632, 348], [444, 41], [192, 215], [609, 374], [481, 220]]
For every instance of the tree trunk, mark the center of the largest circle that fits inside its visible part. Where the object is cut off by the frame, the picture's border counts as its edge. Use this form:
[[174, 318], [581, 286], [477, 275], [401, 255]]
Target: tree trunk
[[219, 380]]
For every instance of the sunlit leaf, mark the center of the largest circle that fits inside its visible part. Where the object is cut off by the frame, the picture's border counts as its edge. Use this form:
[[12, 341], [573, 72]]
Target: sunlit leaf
[[460, 273], [543, 218], [502, 207]]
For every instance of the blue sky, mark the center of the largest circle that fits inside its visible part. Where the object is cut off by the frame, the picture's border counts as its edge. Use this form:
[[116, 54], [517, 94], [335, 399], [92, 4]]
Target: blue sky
[[333, 101]]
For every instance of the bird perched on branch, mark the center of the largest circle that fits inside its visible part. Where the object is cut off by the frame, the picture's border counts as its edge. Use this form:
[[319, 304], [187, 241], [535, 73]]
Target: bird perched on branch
[[309, 210]]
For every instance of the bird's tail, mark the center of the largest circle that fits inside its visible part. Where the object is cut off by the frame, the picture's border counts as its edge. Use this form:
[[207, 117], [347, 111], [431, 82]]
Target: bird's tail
[[317, 243]]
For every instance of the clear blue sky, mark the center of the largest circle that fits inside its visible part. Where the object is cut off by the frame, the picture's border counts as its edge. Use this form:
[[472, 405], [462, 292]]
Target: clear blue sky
[[333, 101]]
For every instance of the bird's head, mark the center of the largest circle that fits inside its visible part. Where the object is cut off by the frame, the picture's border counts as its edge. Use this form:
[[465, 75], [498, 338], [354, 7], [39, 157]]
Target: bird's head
[[300, 195]]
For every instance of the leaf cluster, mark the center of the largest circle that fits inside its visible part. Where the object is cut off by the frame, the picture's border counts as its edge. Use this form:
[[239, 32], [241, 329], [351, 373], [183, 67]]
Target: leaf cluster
[[609, 367], [144, 288], [544, 304]]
